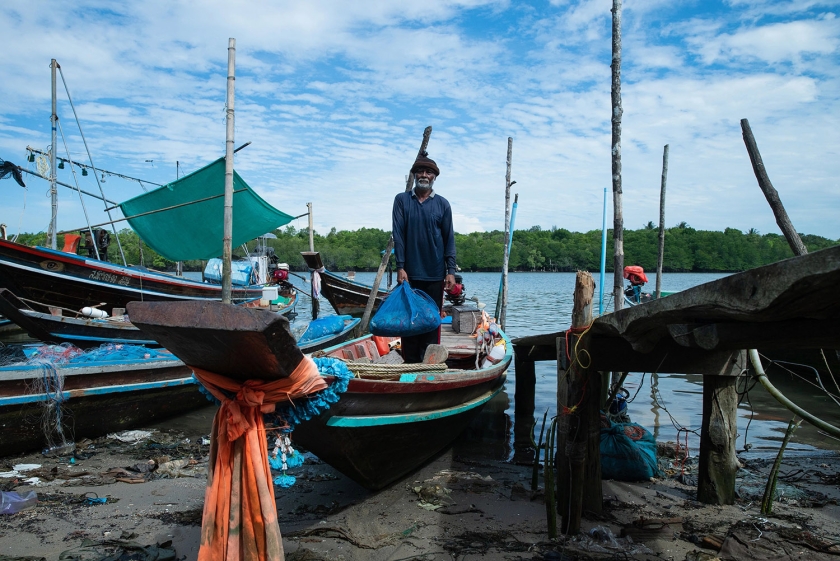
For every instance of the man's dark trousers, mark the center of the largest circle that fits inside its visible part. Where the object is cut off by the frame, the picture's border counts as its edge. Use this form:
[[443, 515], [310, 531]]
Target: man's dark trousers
[[414, 347]]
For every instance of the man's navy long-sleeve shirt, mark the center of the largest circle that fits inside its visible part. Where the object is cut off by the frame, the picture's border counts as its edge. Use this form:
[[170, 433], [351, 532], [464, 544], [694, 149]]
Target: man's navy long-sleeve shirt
[[424, 239]]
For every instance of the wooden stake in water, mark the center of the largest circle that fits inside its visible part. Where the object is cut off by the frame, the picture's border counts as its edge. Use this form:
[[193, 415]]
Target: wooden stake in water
[[661, 223], [770, 489]]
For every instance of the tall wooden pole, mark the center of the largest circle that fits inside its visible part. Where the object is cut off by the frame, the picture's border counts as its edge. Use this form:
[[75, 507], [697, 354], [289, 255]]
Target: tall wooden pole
[[661, 223], [228, 225], [770, 193], [53, 191], [618, 218], [500, 311], [311, 226]]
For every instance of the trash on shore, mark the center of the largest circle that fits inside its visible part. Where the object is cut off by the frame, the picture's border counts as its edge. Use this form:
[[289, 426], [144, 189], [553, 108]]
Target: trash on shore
[[12, 503]]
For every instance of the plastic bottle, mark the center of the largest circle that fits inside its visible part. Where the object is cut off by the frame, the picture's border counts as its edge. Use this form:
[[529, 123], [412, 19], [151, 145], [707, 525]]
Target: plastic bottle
[[11, 502], [94, 312]]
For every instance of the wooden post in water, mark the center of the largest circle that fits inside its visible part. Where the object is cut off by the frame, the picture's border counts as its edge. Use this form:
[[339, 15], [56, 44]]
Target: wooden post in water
[[582, 485], [311, 227], [770, 192], [618, 218], [228, 217], [661, 223], [503, 288]]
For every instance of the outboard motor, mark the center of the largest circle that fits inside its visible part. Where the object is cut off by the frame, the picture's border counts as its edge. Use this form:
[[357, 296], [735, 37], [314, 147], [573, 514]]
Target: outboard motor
[[457, 294], [281, 273], [637, 278]]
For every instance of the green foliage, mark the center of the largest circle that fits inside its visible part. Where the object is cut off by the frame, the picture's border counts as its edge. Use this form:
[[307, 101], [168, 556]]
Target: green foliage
[[557, 249]]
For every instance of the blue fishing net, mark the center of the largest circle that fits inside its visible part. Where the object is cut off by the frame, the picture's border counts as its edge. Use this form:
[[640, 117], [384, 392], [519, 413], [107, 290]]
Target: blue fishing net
[[284, 480], [312, 406]]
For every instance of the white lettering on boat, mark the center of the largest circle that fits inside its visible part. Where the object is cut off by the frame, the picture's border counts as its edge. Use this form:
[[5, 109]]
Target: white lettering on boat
[[108, 277]]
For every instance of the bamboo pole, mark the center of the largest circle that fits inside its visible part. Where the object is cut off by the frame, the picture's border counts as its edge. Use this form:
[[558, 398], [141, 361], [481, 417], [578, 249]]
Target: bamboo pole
[[661, 223], [227, 239], [53, 171], [770, 192], [618, 218], [316, 305], [506, 248]]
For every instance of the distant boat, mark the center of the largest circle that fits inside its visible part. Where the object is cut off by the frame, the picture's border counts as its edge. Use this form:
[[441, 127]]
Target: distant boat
[[86, 332], [383, 427], [67, 280], [88, 398]]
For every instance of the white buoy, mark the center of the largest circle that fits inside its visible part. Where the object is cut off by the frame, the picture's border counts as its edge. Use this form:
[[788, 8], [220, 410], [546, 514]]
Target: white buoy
[[94, 312]]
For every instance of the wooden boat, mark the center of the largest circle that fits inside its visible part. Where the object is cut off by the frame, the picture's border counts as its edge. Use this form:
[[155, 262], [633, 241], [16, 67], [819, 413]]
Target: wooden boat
[[85, 332], [88, 399], [381, 429], [345, 295], [67, 280]]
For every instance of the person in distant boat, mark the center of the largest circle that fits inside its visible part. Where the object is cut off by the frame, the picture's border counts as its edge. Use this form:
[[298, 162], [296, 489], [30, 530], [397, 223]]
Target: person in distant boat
[[424, 246]]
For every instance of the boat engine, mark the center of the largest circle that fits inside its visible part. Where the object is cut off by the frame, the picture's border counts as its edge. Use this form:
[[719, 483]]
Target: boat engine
[[637, 278], [457, 294]]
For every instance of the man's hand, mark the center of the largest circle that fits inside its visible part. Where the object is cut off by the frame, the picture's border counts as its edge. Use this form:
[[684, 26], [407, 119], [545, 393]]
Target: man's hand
[[448, 282], [401, 276]]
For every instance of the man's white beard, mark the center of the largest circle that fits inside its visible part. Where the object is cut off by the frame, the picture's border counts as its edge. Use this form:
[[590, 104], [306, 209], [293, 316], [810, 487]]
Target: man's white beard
[[423, 184]]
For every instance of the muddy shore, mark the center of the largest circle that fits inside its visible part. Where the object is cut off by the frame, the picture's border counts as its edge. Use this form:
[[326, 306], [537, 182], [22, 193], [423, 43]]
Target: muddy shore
[[459, 506]]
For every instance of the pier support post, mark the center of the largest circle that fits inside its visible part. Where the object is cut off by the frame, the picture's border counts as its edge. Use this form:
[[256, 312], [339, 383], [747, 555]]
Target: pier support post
[[579, 417], [718, 462], [524, 397]]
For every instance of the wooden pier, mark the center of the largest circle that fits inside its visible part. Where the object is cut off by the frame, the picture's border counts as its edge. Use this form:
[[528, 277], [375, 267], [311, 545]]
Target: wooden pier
[[792, 304]]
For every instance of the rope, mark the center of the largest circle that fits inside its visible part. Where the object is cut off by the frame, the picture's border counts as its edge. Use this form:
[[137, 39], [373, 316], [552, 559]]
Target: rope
[[372, 370]]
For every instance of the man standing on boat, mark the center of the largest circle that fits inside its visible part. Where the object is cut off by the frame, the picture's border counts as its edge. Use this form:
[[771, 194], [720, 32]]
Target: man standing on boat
[[424, 246]]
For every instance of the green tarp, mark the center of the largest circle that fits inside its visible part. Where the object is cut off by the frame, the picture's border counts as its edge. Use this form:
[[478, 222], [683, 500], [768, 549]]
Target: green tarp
[[195, 231]]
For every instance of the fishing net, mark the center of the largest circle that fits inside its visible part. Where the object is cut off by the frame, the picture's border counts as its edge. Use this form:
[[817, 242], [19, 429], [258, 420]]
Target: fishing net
[[8, 168], [47, 382]]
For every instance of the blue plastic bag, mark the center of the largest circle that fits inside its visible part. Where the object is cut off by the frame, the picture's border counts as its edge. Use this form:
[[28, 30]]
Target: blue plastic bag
[[628, 453], [405, 312], [322, 327]]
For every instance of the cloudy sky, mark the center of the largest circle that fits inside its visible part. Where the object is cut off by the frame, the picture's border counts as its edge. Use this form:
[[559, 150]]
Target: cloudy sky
[[334, 96]]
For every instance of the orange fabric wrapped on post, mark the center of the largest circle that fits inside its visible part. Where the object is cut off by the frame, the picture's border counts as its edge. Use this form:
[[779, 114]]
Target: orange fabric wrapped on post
[[240, 515]]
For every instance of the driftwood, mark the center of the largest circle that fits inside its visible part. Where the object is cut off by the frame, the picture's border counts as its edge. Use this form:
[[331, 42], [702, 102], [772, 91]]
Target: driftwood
[[770, 192]]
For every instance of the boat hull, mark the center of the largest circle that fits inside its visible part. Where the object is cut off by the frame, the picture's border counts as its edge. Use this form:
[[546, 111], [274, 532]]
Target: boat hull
[[348, 297], [375, 450], [67, 280], [96, 400]]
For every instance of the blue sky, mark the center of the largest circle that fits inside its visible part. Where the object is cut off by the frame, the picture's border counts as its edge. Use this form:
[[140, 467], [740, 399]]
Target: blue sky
[[334, 97]]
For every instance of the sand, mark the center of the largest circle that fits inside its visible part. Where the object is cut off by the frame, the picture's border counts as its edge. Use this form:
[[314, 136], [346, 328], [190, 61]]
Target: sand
[[459, 506]]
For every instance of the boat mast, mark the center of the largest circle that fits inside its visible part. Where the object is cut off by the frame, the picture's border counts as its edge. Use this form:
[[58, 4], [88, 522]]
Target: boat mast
[[53, 191], [228, 231]]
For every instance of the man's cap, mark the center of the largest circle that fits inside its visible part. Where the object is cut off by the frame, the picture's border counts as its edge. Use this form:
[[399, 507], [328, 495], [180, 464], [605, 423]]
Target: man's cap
[[423, 161]]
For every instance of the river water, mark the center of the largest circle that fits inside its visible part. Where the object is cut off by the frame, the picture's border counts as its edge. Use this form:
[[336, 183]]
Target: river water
[[670, 406]]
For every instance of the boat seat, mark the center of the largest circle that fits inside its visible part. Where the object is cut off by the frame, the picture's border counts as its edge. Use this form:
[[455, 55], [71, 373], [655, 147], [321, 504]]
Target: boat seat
[[71, 243]]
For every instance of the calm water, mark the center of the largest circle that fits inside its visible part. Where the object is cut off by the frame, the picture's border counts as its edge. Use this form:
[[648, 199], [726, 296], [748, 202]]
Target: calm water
[[664, 404]]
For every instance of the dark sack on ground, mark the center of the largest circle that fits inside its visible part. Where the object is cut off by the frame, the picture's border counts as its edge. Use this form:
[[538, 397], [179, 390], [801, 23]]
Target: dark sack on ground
[[628, 453], [405, 312]]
